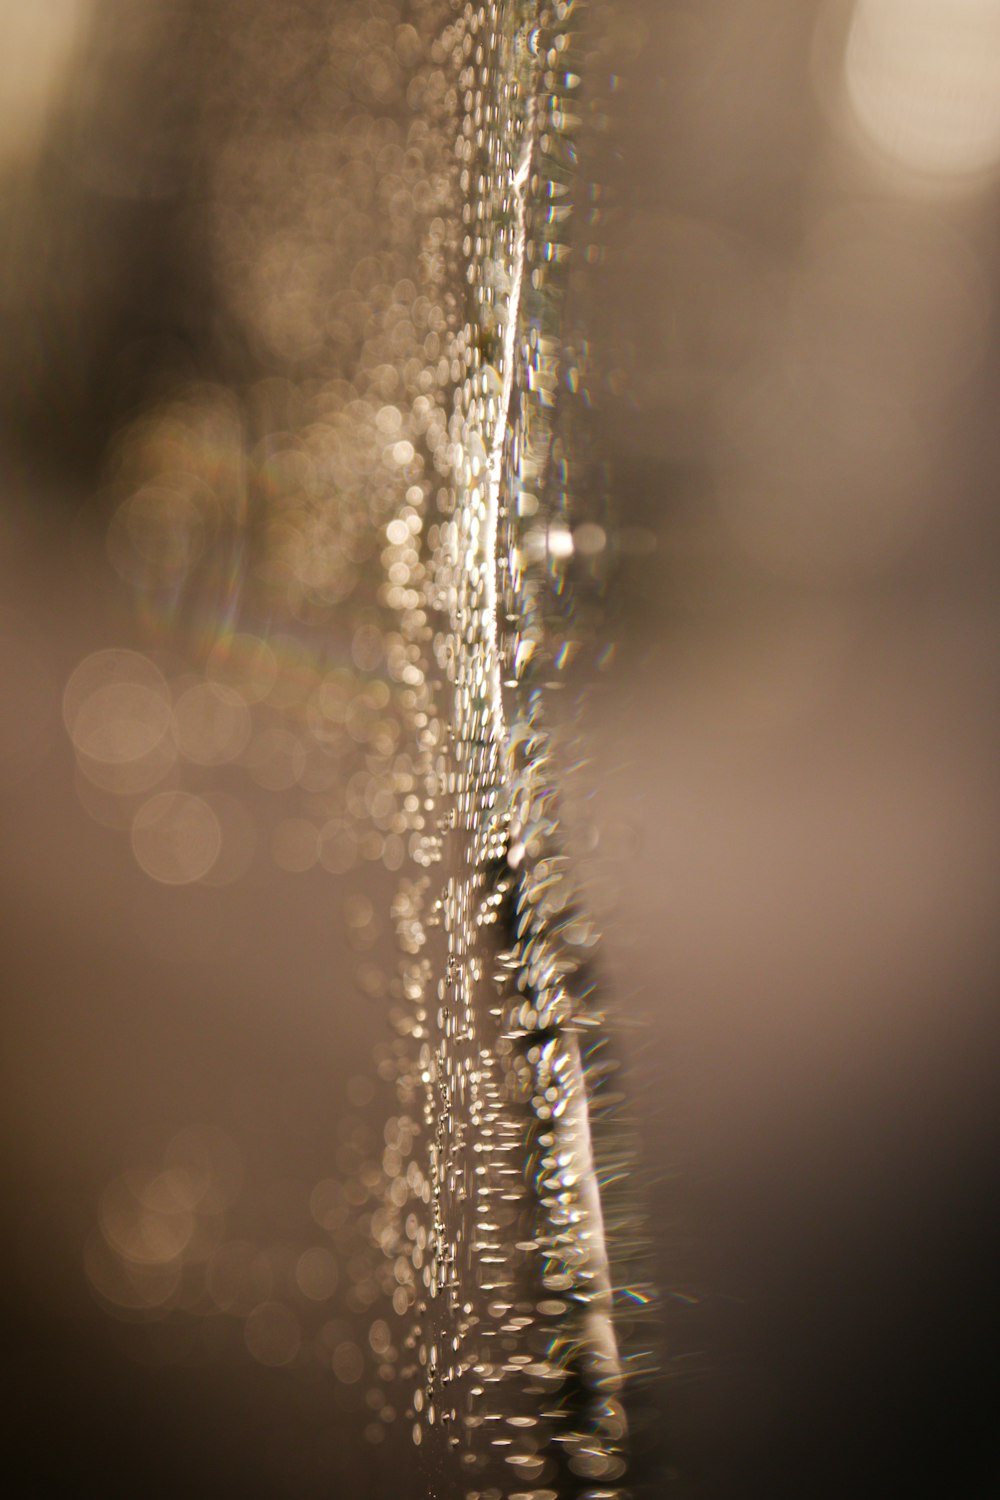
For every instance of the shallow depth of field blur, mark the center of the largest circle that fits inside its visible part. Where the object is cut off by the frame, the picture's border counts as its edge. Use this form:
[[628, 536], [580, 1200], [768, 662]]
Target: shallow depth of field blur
[[786, 797]]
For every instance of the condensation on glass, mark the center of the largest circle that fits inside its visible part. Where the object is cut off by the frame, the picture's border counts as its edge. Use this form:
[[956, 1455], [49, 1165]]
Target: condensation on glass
[[410, 503]]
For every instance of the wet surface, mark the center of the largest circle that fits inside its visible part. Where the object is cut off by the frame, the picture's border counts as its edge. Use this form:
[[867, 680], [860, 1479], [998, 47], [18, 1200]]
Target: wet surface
[[776, 794]]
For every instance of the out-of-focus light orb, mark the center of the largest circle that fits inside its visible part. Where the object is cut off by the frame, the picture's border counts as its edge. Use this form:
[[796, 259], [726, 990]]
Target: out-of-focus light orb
[[317, 1273], [272, 1334], [156, 533], [128, 1285], [348, 1363], [923, 81], [117, 710], [146, 1222], [176, 838], [211, 723], [116, 706]]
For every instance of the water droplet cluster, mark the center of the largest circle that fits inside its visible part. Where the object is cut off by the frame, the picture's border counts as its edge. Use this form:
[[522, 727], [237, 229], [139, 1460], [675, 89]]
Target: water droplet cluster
[[514, 1355], [380, 555]]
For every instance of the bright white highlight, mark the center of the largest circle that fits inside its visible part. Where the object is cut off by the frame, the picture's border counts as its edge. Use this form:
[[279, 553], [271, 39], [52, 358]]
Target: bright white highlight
[[923, 80], [495, 472]]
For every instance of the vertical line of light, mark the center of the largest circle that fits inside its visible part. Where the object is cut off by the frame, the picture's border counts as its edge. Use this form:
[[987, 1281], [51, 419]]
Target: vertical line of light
[[519, 184]]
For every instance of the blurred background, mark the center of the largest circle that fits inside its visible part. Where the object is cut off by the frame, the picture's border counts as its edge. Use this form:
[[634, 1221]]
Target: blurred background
[[219, 308]]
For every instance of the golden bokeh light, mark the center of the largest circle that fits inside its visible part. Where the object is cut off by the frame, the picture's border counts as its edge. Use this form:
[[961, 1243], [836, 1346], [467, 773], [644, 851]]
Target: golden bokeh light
[[316, 1273], [176, 837], [211, 723], [272, 1333], [923, 80]]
